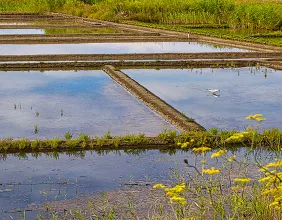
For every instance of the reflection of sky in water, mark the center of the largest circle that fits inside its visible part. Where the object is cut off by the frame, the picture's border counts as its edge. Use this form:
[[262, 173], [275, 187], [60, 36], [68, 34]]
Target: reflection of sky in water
[[240, 95], [91, 102], [108, 48], [21, 31], [94, 173]]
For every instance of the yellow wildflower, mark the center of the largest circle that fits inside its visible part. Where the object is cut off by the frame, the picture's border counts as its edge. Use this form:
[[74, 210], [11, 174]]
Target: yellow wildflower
[[178, 199], [236, 137], [201, 149], [265, 179], [230, 159], [268, 191], [179, 144], [203, 161], [218, 153], [185, 145], [211, 171], [242, 180], [274, 204], [275, 164], [159, 186], [257, 117]]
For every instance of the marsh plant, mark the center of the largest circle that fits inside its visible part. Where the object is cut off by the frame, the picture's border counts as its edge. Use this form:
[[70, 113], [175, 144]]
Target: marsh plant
[[53, 143], [167, 134], [108, 135], [68, 135], [35, 129], [83, 137]]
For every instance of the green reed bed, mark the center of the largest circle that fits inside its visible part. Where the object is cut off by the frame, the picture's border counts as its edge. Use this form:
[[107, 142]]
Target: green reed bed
[[235, 13], [219, 18]]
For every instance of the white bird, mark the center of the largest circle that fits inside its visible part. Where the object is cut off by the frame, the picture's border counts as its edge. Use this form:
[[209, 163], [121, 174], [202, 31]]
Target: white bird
[[213, 91]]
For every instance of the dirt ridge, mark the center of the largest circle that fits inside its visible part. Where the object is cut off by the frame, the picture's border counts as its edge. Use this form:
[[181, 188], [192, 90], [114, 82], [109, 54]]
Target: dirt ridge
[[156, 104], [139, 56]]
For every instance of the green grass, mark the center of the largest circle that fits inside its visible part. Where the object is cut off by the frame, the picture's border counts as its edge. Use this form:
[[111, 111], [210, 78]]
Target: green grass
[[213, 138], [231, 19], [234, 13]]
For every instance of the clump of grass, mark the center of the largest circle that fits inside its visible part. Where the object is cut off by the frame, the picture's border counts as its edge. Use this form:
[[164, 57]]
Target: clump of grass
[[37, 114], [135, 139], [213, 131], [35, 144], [167, 134], [108, 135], [100, 142], [21, 144], [73, 143], [68, 135], [116, 142], [83, 137], [53, 143]]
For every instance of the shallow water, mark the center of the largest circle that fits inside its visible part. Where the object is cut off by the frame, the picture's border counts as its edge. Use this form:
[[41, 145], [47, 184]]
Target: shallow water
[[108, 48], [21, 31], [27, 179], [242, 92], [58, 31], [75, 101]]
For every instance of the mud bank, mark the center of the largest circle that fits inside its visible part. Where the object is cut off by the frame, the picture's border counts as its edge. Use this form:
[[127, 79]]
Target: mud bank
[[122, 64], [87, 39], [139, 56]]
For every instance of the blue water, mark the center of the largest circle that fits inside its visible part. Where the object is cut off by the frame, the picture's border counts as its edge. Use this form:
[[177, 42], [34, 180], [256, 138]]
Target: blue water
[[21, 31], [28, 180], [242, 92], [76, 101], [109, 48]]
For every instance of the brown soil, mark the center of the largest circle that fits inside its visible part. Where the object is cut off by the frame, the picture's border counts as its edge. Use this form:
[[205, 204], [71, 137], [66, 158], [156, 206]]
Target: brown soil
[[145, 202], [41, 39], [130, 65], [140, 56]]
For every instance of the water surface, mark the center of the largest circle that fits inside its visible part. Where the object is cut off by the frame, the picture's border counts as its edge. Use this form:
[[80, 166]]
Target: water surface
[[242, 92], [21, 31], [58, 31], [108, 48], [28, 179], [75, 101]]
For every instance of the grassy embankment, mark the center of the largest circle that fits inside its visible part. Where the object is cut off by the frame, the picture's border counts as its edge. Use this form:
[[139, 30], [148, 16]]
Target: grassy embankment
[[268, 139], [252, 20]]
